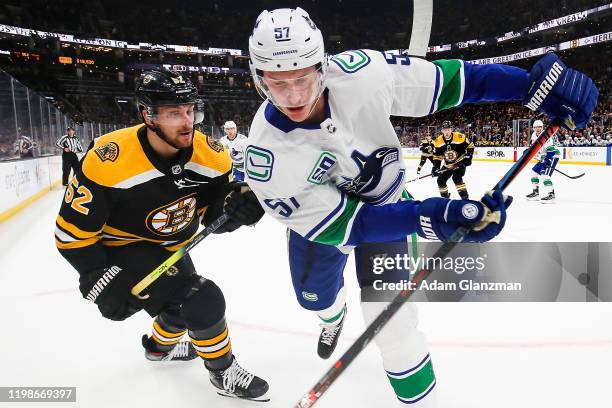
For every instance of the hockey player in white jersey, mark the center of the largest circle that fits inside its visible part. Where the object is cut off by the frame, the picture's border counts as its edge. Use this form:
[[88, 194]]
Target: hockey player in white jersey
[[543, 170], [323, 158], [234, 142]]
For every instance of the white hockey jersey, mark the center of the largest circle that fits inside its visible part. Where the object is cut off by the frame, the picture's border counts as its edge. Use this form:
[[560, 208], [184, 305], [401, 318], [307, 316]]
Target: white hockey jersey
[[236, 149], [551, 145], [316, 178]]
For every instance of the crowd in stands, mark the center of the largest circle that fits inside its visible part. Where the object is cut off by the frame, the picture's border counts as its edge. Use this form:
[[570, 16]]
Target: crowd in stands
[[93, 94]]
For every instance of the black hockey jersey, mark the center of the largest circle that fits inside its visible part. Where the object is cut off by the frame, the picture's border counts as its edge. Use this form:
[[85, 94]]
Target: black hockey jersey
[[126, 193], [426, 148], [452, 151]]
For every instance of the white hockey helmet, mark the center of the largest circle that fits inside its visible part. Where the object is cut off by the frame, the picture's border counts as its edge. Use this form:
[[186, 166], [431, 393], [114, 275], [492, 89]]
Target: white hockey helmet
[[230, 124], [538, 123], [287, 40]]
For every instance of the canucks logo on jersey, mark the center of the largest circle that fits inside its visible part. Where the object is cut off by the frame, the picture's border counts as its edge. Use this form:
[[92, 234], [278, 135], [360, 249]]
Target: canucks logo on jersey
[[371, 169]]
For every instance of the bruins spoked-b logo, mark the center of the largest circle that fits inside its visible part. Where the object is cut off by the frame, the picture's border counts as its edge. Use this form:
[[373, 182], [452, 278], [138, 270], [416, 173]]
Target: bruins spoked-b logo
[[174, 217], [450, 156], [108, 151]]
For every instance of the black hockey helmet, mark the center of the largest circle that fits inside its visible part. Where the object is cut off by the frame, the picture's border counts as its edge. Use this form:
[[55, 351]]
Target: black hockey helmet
[[157, 88], [447, 124]]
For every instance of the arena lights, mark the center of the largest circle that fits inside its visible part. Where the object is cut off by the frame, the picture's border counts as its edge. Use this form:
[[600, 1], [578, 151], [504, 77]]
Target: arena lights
[[581, 42], [543, 26], [102, 42]]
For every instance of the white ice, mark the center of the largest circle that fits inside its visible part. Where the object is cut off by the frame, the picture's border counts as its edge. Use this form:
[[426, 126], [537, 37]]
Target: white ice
[[485, 354]]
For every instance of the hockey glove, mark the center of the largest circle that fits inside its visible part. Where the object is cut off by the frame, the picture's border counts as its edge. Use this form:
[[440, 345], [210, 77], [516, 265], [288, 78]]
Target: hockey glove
[[102, 286], [242, 205], [562, 93], [440, 217]]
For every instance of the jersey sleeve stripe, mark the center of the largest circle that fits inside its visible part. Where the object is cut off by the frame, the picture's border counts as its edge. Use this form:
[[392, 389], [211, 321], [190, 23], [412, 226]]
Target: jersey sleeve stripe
[[338, 231], [77, 244], [74, 230], [453, 84], [436, 94]]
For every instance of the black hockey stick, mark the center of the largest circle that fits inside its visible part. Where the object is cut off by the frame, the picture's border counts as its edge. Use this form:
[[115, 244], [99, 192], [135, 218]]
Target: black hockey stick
[[567, 175], [428, 175], [315, 393], [172, 259]]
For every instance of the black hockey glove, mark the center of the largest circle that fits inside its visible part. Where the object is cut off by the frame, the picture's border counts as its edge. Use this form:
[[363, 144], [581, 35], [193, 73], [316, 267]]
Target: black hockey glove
[[112, 294], [242, 205]]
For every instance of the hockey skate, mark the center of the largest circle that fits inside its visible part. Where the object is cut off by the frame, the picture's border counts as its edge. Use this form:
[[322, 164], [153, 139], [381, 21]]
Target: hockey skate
[[329, 337], [534, 195], [549, 199], [236, 382], [183, 351]]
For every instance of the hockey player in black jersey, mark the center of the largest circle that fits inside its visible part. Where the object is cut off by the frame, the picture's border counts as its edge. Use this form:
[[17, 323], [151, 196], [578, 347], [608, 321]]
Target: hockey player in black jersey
[[141, 193], [456, 150], [426, 152]]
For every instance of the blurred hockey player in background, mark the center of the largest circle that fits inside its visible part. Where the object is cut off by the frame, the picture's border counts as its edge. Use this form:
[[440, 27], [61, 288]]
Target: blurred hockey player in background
[[234, 142], [456, 150], [141, 194], [323, 158], [427, 149], [543, 170]]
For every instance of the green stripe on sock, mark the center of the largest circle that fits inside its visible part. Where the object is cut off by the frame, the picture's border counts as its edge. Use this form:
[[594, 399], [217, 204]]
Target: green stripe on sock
[[451, 88], [414, 384], [535, 180], [334, 233], [336, 317], [548, 183]]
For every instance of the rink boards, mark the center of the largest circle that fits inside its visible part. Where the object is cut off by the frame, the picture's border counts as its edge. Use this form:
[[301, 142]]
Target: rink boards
[[598, 156], [24, 181]]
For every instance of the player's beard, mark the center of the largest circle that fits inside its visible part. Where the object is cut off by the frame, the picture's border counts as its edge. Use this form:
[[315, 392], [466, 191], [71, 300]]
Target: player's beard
[[176, 143]]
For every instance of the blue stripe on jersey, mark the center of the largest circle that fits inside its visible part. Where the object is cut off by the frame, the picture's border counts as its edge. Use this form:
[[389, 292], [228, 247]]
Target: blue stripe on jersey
[[436, 88], [494, 82], [383, 223], [329, 216]]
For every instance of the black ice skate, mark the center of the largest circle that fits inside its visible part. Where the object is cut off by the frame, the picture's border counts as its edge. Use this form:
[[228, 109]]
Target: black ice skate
[[183, 351], [236, 382], [534, 196], [329, 337], [549, 199]]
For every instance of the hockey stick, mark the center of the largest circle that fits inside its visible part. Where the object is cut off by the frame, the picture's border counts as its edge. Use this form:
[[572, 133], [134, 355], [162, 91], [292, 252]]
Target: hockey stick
[[172, 259], [428, 175], [568, 176], [315, 393]]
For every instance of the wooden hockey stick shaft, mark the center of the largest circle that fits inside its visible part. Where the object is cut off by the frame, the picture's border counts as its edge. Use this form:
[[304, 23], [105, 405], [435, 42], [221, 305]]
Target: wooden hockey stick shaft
[[174, 258], [315, 393]]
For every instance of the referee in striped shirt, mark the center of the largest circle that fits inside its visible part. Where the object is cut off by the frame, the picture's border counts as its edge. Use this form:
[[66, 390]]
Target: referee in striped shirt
[[70, 146]]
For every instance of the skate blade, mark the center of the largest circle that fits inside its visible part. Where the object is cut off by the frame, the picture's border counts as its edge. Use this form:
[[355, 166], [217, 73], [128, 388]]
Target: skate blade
[[263, 398], [533, 198], [547, 201]]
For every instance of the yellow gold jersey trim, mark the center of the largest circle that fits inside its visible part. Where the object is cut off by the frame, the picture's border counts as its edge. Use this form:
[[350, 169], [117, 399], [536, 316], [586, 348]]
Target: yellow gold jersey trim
[[125, 166], [74, 230]]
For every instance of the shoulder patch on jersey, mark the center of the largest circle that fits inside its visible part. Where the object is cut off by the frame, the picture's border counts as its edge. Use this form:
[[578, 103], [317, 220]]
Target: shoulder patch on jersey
[[458, 137], [209, 157], [351, 61], [214, 144], [108, 151], [118, 160], [259, 163]]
